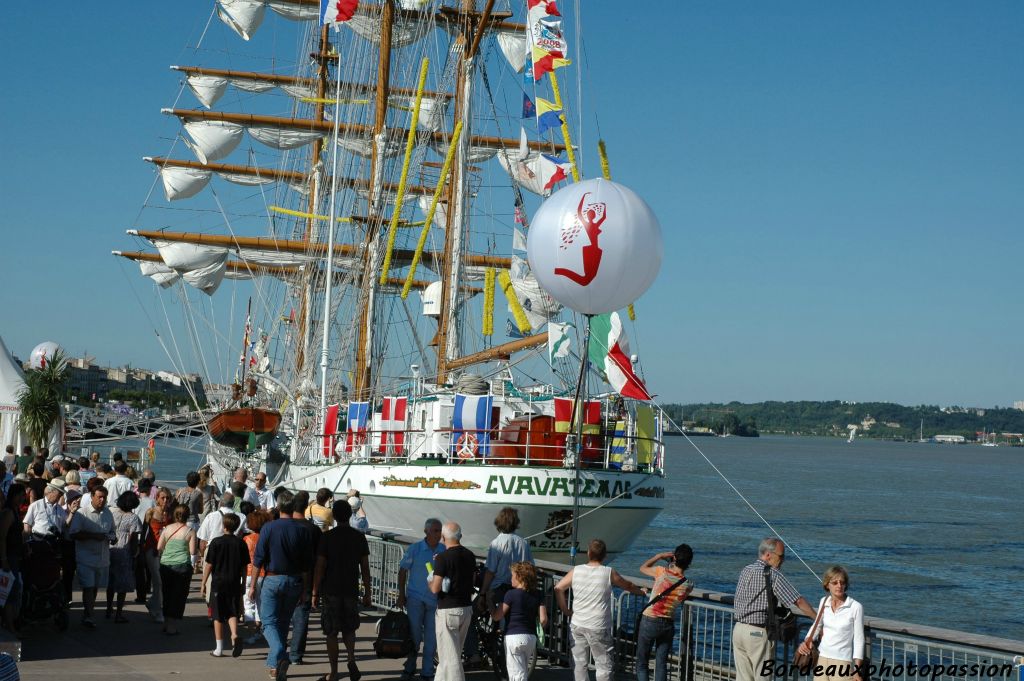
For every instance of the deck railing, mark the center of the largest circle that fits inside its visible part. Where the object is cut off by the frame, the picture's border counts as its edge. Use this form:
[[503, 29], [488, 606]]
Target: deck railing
[[702, 650], [600, 452]]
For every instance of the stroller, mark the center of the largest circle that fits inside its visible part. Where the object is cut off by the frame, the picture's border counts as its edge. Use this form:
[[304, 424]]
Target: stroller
[[43, 595]]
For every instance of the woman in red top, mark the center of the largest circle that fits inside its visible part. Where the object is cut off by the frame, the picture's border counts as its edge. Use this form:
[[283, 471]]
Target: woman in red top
[[658, 623], [156, 519]]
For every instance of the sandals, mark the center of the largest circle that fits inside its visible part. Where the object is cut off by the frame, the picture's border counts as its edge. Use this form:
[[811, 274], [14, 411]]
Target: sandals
[[236, 647]]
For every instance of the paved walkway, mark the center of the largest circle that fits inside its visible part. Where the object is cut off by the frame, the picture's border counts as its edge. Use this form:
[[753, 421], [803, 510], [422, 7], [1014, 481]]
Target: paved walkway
[[137, 651]]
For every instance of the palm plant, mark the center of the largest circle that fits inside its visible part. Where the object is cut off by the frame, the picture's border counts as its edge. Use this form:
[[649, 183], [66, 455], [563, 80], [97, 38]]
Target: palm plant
[[39, 400]]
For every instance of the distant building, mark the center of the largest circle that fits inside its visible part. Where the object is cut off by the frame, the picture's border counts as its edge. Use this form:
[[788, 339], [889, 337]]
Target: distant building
[[950, 439], [90, 382], [867, 422], [1019, 405], [891, 424]]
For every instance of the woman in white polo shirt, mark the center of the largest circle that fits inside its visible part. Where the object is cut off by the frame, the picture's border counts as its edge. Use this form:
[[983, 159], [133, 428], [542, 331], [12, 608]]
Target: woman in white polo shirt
[[841, 649]]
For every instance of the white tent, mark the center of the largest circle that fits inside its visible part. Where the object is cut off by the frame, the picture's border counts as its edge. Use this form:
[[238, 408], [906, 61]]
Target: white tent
[[12, 380]]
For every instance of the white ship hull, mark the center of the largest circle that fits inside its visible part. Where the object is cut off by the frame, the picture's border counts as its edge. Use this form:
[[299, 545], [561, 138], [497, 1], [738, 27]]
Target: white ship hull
[[614, 506]]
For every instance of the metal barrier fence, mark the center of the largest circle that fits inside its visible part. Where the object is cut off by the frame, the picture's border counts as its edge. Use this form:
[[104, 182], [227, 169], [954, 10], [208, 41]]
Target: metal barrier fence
[[702, 648]]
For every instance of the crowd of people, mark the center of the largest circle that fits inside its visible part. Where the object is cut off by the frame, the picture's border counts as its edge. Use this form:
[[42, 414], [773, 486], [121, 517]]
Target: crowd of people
[[268, 558]]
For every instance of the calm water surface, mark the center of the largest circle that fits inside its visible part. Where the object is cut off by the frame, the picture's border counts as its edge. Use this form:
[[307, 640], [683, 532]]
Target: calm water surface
[[930, 534]]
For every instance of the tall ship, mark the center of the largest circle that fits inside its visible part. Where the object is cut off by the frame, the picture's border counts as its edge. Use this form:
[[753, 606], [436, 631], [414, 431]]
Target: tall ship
[[352, 264]]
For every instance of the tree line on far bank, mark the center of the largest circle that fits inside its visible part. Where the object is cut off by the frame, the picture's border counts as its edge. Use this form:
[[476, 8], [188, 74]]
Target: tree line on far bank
[[886, 420]]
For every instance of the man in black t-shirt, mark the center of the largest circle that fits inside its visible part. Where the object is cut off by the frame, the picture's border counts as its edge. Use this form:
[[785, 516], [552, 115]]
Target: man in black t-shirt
[[453, 583], [342, 556]]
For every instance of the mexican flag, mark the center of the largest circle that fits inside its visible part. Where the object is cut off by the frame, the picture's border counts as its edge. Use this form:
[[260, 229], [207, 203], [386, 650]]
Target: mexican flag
[[609, 349]]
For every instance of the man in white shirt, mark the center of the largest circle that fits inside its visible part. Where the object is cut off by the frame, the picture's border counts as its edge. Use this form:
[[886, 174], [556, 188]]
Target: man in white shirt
[[250, 495], [213, 524], [120, 483], [45, 517], [92, 529], [264, 495]]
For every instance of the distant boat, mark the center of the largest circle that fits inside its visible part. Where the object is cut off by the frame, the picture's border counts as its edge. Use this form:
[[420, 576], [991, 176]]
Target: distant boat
[[920, 437], [853, 434]]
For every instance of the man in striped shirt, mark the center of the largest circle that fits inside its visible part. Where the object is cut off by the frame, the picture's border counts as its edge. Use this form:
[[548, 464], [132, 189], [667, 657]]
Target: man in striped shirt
[[750, 643]]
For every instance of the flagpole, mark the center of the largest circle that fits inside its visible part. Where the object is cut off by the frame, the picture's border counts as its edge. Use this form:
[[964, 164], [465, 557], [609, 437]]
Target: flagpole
[[577, 413]]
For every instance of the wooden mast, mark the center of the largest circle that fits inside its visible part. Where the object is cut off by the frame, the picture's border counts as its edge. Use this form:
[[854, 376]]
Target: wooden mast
[[270, 245], [363, 380], [447, 340], [303, 326]]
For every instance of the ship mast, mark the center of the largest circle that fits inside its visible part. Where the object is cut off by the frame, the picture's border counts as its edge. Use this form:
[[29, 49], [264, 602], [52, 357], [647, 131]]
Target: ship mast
[[303, 325], [364, 334], [448, 340]]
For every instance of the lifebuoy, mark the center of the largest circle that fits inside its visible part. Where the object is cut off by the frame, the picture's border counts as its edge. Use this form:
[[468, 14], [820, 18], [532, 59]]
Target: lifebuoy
[[465, 446]]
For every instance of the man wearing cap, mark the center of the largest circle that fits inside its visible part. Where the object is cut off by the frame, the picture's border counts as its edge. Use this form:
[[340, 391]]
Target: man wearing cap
[[92, 529], [45, 517]]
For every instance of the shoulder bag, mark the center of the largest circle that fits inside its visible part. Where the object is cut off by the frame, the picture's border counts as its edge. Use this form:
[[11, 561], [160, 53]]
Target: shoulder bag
[[807, 663], [640, 614], [781, 624]]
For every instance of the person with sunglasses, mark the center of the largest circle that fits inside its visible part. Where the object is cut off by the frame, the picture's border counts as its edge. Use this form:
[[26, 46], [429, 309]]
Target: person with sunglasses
[[751, 644]]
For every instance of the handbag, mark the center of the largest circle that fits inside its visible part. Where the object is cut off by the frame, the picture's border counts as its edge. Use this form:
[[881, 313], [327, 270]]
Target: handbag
[[781, 623], [807, 662]]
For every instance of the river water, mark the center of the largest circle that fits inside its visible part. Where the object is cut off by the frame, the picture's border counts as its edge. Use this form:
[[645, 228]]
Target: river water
[[931, 534]]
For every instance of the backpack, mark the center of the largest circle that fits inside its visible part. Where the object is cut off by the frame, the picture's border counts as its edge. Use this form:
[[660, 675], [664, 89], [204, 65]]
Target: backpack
[[394, 636]]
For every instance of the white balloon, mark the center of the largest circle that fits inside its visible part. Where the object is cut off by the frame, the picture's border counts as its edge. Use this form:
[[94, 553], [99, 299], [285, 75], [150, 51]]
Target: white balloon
[[595, 246], [42, 353]]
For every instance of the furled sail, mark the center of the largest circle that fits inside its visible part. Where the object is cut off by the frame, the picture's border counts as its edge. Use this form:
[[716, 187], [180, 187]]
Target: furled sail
[[160, 273], [404, 31], [538, 305], [212, 140], [440, 213], [183, 183], [279, 138], [243, 16], [513, 46]]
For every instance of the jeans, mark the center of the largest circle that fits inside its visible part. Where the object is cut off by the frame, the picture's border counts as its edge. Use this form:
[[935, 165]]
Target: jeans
[[659, 631], [587, 641], [421, 621], [300, 625], [452, 625], [278, 598]]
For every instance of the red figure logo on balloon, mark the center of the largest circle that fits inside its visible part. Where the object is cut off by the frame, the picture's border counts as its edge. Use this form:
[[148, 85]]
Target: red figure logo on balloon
[[590, 219]]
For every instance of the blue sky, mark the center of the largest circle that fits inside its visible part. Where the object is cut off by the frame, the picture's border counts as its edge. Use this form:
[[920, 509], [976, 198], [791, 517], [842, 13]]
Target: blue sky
[[839, 185]]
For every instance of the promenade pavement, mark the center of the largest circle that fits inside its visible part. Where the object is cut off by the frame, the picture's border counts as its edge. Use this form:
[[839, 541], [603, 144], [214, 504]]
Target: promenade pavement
[[138, 651]]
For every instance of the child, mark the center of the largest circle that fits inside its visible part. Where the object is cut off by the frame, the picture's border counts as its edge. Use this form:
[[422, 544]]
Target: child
[[523, 606], [226, 559]]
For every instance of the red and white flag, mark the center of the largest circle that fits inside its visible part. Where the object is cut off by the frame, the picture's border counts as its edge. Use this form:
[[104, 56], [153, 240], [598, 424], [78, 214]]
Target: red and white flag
[[392, 425]]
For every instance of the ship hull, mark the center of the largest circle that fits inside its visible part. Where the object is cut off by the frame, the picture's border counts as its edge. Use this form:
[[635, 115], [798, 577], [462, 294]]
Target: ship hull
[[243, 428], [615, 506]]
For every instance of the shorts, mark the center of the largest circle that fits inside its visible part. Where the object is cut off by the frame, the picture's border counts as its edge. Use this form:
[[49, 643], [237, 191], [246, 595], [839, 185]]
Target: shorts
[[339, 614], [225, 601], [91, 577]]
